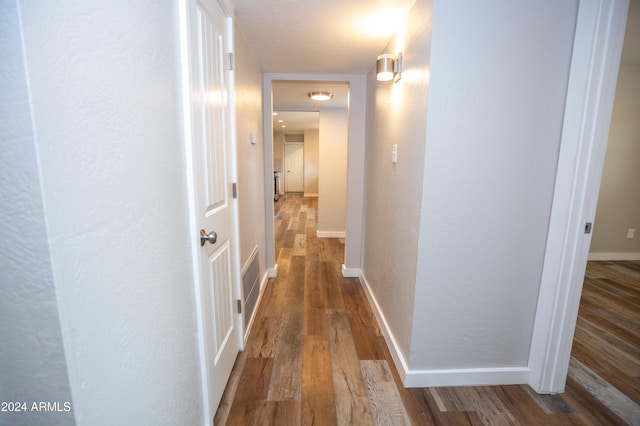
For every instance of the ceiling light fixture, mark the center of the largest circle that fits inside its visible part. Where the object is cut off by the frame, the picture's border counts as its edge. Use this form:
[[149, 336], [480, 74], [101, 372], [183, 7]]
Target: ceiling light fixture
[[389, 67], [320, 96]]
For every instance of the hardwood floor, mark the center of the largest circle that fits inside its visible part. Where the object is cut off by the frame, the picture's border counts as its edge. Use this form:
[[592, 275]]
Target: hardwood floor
[[605, 358], [315, 355]]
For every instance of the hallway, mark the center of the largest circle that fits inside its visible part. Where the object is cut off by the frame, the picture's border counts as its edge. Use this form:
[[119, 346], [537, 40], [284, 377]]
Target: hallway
[[316, 355]]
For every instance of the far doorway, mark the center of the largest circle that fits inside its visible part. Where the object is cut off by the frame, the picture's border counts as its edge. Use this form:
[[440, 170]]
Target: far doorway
[[294, 166]]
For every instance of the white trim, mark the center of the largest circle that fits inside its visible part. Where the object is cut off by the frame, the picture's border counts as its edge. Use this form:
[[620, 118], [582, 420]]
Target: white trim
[[448, 377], [310, 195], [273, 272], [330, 234], [467, 377], [267, 137], [355, 167], [350, 272], [227, 7], [231, 122], [614, 256], [592, 79], [185, 67], [398, 358], [246, 265]]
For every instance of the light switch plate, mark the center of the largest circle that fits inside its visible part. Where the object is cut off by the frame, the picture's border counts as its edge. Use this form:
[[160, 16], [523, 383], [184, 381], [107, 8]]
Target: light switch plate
[[394, 154]]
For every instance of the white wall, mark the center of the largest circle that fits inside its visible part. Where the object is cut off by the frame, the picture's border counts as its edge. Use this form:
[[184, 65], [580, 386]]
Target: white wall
[[619, 200], [355, 160], [455, 233], [32, 360], [355, 176], [332, 172], [396, 114], [278, 158], [105, 86], [248, 85], [311, 138], [499, 74]]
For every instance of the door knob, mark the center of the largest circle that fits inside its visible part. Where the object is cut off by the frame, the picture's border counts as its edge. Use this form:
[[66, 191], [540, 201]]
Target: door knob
[[211, 237]]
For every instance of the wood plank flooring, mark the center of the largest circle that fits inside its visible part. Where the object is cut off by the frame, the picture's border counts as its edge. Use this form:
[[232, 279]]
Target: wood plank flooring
[[315, 355], [605, 358]]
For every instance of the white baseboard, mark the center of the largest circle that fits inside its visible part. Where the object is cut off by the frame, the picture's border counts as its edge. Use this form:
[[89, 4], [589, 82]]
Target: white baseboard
[[396, 354], [350, 272], [330, 234], [311, 195], [467, 377], [614, 256], [448, 377], [263, 283], [273, 272]]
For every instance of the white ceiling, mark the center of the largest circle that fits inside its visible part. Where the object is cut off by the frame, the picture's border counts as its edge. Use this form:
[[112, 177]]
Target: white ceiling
[[319, 36], [296, 110], [337, 37], [295, 94], [296, 121]]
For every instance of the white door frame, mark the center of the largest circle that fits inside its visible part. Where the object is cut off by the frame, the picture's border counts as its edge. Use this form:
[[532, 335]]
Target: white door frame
[[355, 165], [591, 90], [185, 62]]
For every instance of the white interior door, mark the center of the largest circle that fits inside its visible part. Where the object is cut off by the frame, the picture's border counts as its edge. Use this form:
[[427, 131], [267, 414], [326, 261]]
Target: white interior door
[[214, 208], [294, 167]]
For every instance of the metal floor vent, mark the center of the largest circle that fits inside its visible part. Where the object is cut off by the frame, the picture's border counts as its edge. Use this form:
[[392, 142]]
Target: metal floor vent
[[251, 287]]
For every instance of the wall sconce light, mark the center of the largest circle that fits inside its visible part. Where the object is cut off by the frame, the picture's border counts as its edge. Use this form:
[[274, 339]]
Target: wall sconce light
[[389, 67], [320, 96]]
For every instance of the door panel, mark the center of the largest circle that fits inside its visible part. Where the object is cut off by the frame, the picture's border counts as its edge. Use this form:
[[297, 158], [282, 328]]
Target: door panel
[[212, 90], [222, 321], [214, 210], [294, 167]]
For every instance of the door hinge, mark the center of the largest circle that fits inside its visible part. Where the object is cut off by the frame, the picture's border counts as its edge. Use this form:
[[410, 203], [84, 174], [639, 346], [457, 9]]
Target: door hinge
[[230, 64], [239, 306], [234, 190], [587, 227]]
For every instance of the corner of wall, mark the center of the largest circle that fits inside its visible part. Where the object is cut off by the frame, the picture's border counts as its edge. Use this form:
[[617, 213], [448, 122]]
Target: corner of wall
[[399, 358]]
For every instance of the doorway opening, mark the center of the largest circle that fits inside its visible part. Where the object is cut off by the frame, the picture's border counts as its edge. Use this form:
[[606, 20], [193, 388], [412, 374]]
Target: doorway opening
[[328, 152], [603, 353], [311, 139], [295, 152]]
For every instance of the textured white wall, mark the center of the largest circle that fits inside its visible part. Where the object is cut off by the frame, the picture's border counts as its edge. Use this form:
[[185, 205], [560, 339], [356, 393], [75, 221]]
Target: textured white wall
[[499, 75], [32, 361], [332, 173], [278, 140], [396, 114], [248, 85], [311, 138], [355, 175], [105, 84], [619, 200]]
